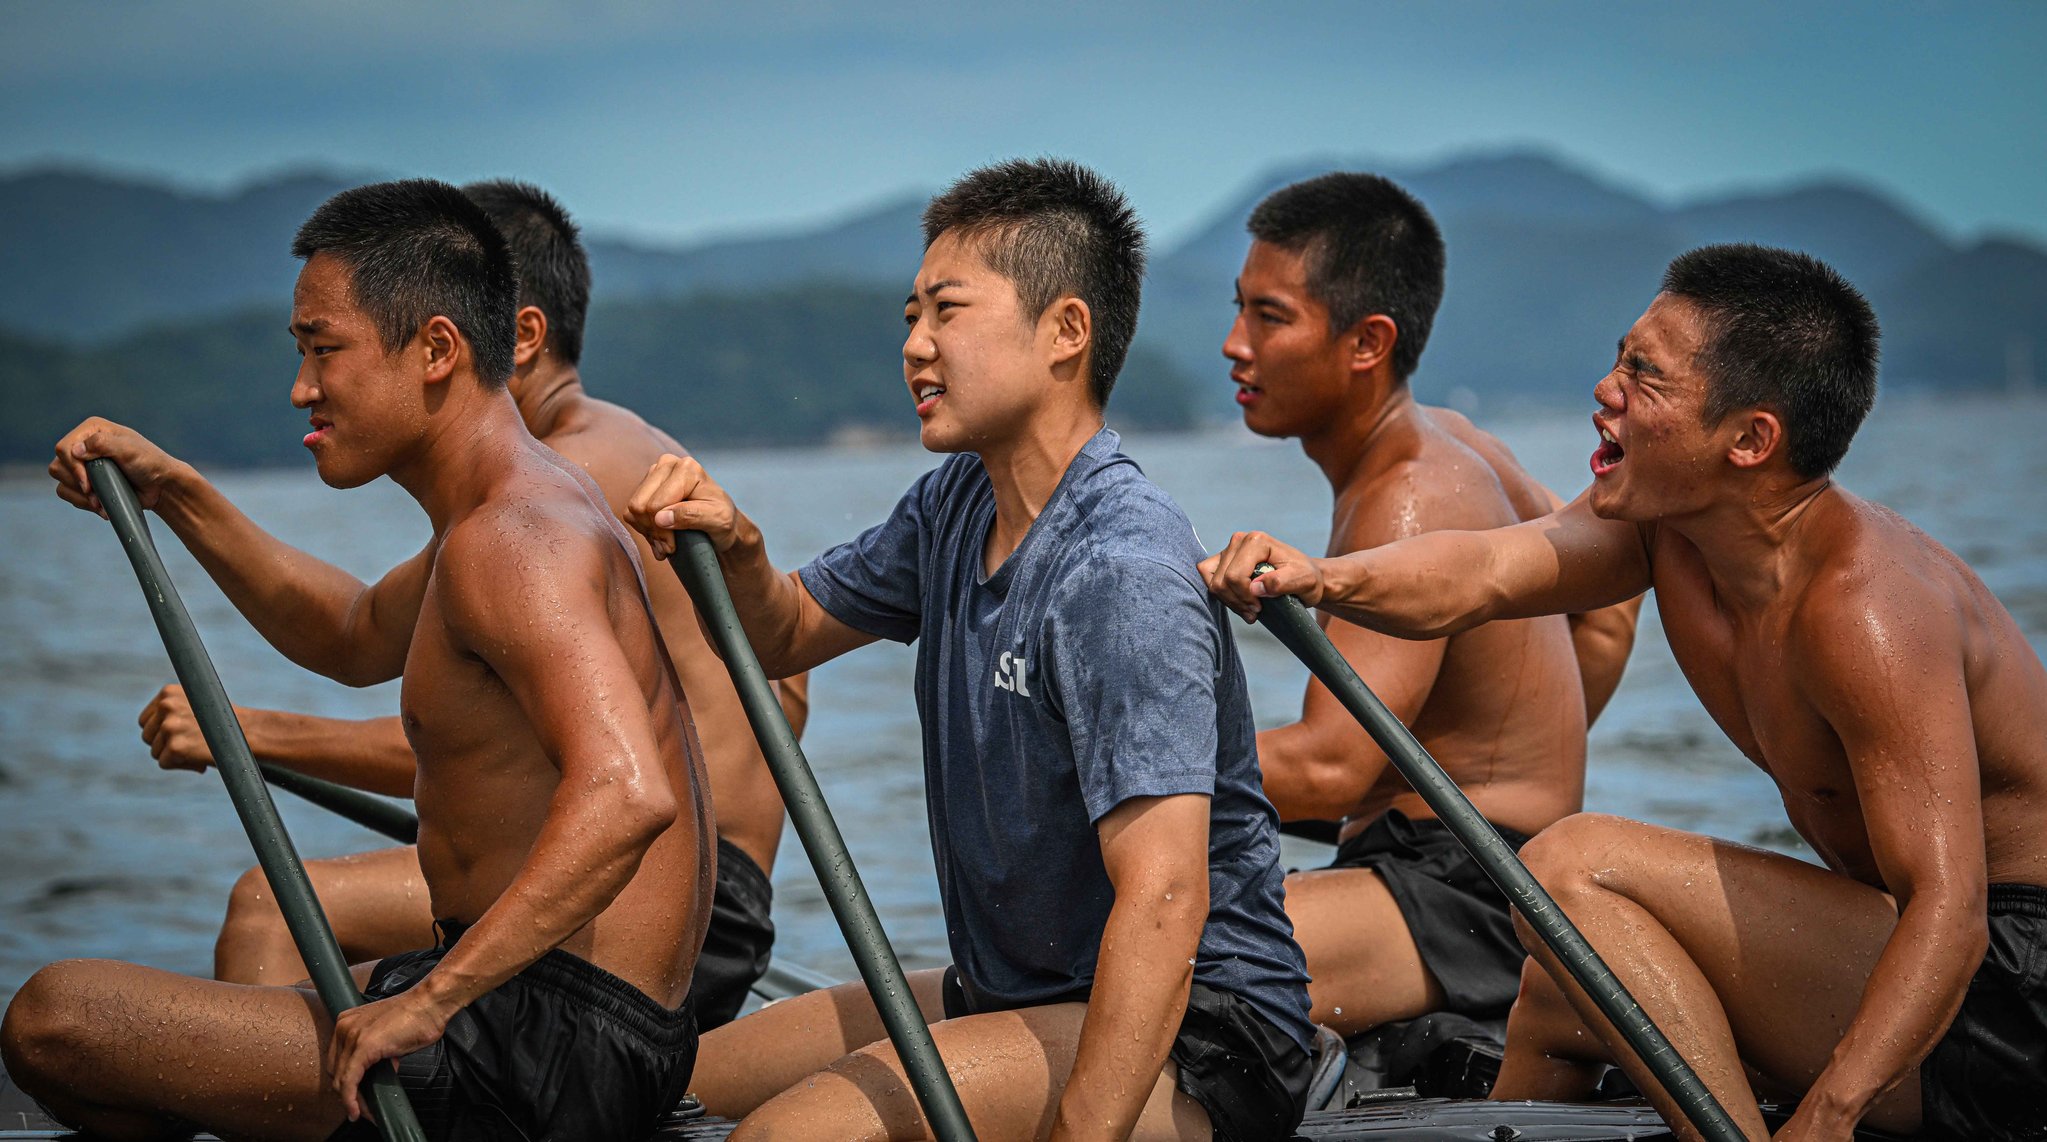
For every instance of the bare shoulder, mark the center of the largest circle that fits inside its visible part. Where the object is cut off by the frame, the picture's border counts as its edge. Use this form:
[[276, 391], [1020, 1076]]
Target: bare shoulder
[[615, 446], [532, 547], [1880, 590], [1443, 484]]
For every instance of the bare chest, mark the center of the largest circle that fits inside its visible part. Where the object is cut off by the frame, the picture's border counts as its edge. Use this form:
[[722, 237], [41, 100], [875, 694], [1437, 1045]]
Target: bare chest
[[452, 704], [1742, 670]]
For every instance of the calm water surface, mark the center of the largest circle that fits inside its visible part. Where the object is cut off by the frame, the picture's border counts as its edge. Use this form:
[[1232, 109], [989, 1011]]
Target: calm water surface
[[102, 854]]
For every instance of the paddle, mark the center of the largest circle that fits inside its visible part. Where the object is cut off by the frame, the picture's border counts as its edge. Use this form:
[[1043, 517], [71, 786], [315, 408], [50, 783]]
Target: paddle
[[274, 850], [696, 563], [1290, 622], [366, 809]]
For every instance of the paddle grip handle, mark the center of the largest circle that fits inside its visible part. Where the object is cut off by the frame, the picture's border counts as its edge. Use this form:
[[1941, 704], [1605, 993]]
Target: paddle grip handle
[[223, 732]]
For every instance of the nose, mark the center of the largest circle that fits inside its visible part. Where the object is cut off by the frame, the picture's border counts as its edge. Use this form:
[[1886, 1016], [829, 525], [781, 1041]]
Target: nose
[[1237, 346], [918, 348], [1609, 394], [303, 390]]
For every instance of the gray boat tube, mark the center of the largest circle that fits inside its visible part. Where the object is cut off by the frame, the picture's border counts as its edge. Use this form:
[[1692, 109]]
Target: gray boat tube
[[274, 850], [1296, 629], [696, 563]]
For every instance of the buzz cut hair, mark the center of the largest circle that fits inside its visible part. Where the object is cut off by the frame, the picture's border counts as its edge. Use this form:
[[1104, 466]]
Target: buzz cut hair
[[1784, 332], [416, 249], [1370, 247], [1055, 229], [548, 254]]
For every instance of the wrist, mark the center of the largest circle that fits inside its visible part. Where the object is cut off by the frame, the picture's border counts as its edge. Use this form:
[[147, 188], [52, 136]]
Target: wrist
[[444, 992], [1340, 579], [175, 492]]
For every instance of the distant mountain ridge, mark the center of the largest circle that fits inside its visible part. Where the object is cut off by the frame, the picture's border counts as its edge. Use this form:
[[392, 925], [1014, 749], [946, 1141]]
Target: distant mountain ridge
[[1548, 264]]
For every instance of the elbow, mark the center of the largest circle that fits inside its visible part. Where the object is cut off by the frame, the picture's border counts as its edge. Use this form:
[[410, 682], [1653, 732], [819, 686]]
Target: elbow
[[639, 813]]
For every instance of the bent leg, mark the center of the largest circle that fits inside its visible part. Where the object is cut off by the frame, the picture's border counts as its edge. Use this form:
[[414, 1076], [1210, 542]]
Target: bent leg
[[1009, 1067], [1363, 965], [752, 1059], [126, 1051], [377, 903], [1741, 956]]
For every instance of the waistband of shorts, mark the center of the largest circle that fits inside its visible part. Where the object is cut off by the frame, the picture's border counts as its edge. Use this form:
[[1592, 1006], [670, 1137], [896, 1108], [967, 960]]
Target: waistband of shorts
[[1393, 829], [2019, 900], [735, 861], [577, 979]]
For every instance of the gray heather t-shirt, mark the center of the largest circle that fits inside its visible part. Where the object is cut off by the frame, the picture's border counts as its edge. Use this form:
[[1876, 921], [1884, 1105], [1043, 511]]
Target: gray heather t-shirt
[[1091, 668]]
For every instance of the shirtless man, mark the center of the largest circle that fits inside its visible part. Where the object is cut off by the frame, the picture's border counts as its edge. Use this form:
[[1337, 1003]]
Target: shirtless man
[[377, 900], [1885, 691], [1334, 306], [564, 835], [1108, 867]]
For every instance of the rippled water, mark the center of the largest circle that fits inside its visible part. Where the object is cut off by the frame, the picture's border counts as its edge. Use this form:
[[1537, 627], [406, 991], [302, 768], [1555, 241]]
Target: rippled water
[[103, 855]]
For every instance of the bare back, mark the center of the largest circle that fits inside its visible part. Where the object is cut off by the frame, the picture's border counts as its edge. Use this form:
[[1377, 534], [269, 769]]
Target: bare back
[[1867, 587], [1505, 711], [486, 780], [616, 447]]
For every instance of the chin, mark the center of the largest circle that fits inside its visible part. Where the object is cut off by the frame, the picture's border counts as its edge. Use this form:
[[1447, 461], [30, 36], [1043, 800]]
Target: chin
[[340, 476], [942, 438]]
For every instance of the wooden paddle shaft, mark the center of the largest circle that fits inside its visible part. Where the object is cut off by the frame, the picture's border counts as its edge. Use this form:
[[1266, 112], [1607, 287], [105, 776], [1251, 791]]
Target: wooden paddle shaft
[[274, 850]]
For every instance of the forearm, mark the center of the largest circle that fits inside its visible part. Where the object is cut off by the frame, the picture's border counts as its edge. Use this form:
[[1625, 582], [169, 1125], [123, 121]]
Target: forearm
[[586, 854], [769, 602], [299, 604], [371, 754], [1142, 978], [1425, 587], [1307, 780], [1915, 991]]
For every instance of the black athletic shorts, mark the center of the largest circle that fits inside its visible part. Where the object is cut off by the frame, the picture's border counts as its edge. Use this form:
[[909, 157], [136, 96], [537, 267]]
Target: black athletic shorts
[[563, 1050], [739, 942], [1460, 921], [1249, 1075], [1987, 1077]]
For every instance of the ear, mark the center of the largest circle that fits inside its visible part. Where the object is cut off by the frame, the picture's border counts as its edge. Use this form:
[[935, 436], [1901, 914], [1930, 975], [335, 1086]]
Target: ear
[[444, 347], [1371, 342], [1072, 327], [532, 334], [1759, 435]]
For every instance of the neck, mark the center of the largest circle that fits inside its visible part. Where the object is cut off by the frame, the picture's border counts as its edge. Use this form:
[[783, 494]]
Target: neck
[[1750, 543], [1342, 448], [469, 441], [547, 393], [1026, 471]]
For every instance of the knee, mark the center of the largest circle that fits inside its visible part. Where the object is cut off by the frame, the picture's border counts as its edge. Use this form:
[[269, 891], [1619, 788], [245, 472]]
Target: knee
[[41, 1039], [251, 908], [1564, 857]]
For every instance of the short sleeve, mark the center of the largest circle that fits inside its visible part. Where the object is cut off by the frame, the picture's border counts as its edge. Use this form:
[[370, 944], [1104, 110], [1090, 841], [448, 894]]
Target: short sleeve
[[1134, 658], [874, 583]]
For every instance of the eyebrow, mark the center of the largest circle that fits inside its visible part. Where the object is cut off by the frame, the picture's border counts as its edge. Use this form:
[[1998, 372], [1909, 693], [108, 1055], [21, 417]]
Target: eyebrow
[[1636, 360], [932, 289], [309, 328]]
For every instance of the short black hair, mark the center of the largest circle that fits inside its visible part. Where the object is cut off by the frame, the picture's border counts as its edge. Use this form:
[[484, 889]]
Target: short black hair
[[417, 248], [1370, 247], [547, 249], [1787, 333], [1055, 228]]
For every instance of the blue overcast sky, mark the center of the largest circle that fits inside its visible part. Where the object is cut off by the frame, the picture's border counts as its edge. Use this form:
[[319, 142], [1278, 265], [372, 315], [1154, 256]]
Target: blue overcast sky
[[684, 120]]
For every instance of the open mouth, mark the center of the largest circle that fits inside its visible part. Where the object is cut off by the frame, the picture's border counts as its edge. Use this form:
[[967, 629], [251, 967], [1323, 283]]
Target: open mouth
[[1609, 454], [319, 432], [928, 395], [1247, 393]]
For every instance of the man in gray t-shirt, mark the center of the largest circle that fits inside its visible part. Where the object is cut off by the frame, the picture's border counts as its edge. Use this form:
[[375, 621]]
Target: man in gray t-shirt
[[1107, 861]]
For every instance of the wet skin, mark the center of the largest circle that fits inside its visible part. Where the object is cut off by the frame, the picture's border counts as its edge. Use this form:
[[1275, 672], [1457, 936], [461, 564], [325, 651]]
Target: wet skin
[[1500, 705], [1862, 666], [374, 901], [559, 788], [982, 376]]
